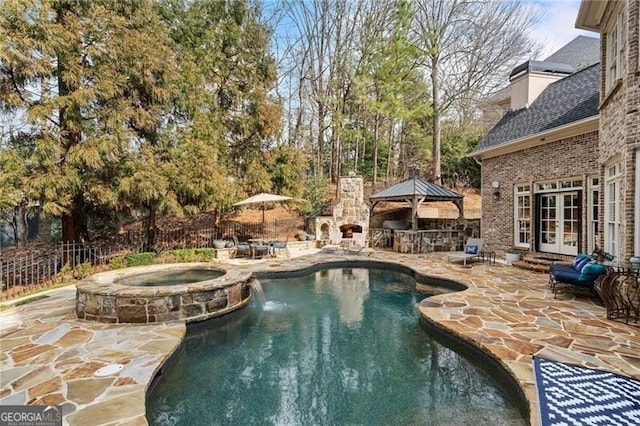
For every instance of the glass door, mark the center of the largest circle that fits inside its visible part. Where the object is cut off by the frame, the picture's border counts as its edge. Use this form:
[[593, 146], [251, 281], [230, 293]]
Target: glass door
[[570, 220], [559, 223], [549, 223]]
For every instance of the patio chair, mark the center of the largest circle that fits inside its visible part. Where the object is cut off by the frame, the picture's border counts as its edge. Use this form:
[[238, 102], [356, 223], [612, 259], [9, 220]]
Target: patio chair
[[472, 249], [357, 243], [242, 248], [335, 242], [280, 247]]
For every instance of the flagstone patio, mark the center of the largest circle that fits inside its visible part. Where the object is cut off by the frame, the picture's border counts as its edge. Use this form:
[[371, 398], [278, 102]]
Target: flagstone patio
[[49, 356]]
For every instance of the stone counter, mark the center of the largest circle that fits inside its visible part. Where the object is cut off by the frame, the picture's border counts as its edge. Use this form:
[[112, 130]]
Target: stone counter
[[427, 240]]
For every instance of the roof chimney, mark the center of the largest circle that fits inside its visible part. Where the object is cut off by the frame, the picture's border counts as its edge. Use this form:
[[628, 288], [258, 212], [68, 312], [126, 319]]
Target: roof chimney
[[415, 171], [530, 79]]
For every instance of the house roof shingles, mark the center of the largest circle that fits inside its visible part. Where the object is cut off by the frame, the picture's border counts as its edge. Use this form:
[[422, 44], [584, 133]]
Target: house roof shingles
[[581, 52], [571, 99]]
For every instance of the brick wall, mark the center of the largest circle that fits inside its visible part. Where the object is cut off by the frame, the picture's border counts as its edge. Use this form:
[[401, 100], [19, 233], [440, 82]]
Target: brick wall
[[620, 121], [575, 157], [632, 89]]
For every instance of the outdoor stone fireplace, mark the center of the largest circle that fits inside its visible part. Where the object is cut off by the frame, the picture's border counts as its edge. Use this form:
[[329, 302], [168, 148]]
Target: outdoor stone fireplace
[[349, 212]]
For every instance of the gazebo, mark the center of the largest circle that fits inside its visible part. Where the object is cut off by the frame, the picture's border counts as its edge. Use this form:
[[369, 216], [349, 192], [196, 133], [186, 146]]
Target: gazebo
[[415, 191]]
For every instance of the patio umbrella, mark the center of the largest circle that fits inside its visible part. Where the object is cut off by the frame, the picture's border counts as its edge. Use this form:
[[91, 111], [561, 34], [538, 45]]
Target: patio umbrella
[[262, 199]]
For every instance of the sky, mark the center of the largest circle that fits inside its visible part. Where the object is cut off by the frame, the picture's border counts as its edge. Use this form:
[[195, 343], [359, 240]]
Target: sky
[[557, 26]]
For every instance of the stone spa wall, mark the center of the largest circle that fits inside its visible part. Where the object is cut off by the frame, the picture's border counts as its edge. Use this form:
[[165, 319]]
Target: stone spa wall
[[100, 298]]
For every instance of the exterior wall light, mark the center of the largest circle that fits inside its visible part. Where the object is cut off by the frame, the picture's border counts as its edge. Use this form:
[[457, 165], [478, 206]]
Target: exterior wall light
[[496, 190]]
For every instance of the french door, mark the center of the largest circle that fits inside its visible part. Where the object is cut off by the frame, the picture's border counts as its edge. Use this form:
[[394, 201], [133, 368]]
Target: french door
[[559, 222]]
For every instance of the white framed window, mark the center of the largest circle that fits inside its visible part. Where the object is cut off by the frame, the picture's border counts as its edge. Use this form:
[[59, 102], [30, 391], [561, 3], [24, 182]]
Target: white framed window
[[612, 209], [593, 213], [615, 51], [522, 216], [560, 185]]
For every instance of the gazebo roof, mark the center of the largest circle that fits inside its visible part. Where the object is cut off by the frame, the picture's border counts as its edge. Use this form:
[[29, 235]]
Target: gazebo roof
[[415, 187], [416, 191]]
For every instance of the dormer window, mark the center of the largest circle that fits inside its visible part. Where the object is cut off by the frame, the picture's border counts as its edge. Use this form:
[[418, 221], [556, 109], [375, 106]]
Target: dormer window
[[615, 51]]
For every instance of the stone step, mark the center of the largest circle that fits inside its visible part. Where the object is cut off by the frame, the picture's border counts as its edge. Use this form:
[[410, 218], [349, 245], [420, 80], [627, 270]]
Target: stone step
[[531, 266], [540, 262], [537, 260], [547, 259]]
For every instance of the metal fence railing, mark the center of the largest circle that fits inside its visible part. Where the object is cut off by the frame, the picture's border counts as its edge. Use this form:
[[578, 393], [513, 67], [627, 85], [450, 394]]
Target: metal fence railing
[[46, 266]]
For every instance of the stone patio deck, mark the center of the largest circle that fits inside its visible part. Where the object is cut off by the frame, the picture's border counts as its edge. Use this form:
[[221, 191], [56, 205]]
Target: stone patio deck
[[49, 356]]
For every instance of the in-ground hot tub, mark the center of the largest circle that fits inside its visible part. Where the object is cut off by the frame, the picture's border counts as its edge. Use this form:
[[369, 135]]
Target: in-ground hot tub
[[156, 293], [170, 277]]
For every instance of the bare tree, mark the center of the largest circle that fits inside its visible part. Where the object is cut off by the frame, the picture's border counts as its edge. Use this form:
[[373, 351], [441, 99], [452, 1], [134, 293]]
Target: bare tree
[[467, 45], [325, 54]]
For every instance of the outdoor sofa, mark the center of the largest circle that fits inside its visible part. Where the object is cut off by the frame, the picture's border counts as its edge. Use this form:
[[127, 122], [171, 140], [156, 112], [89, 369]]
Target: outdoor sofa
[[581, 272]]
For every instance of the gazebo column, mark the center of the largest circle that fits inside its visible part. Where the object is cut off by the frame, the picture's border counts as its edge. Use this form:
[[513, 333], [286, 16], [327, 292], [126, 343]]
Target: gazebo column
[[415, 205], [460, 205]]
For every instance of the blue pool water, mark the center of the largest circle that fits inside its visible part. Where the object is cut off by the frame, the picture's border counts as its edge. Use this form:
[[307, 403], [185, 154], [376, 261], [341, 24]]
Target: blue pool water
[[335, 347]]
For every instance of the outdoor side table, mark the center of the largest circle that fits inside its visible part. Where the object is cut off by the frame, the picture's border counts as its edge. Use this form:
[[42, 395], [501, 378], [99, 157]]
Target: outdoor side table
[[488, 255]]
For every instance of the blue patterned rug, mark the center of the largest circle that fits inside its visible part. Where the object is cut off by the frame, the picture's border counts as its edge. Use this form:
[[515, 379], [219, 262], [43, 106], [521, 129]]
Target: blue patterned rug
[[574, 395]]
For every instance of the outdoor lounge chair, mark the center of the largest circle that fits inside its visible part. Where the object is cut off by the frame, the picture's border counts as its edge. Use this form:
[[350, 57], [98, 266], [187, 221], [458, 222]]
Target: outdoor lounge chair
[[357, 243], [472, 249], [242, 248], [280, 247], [335, 242]]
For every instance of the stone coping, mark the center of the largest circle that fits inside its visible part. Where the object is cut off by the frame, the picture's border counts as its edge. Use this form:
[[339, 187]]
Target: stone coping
[[49, 355], [425, 283], [105, 283], [101, 298]]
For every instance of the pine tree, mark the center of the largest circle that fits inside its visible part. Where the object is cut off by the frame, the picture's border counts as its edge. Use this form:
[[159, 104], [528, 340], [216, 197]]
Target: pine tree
[[224, 114], [389, 86], [87, 77]]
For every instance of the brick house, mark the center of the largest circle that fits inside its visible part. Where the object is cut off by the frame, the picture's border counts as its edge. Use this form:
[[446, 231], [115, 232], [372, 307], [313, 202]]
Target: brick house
[[540, 160], [618, 23], [558, 169]]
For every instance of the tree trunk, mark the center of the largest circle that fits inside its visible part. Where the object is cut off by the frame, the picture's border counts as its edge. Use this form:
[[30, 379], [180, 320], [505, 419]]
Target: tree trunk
[[21, 228], [74, 223], [151, 229], [69, 129], [320, 140], [375, 149], [435, 94], [338, 156], [68, 228], [389, 157]]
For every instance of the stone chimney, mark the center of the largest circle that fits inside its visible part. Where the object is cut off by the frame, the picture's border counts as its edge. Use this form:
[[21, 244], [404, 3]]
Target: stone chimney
[[351, 209], [530, 79]]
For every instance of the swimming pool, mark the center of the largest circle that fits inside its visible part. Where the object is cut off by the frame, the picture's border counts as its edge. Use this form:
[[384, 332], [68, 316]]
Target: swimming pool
[[336, 346]]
